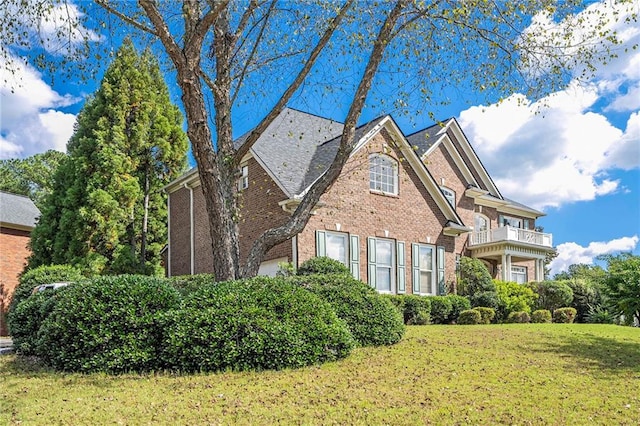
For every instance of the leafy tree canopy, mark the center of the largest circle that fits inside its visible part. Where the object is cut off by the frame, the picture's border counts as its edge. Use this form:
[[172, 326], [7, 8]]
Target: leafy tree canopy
[[622, 285]]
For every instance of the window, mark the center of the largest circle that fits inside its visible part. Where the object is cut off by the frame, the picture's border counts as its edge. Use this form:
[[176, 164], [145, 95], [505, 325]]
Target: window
[[383, 174], [450, 195], [243, 181], [519, 274], [340, 246], [514, 222], [382, 265], [337, 247], [423, 258], [480, 223]]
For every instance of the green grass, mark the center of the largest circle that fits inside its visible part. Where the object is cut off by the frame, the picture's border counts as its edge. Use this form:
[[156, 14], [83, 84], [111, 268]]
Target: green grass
[[495, 374]]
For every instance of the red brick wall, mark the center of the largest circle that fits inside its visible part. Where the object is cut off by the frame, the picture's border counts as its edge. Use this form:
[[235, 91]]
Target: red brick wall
[[180, 232], [411, 217], [14, 252]]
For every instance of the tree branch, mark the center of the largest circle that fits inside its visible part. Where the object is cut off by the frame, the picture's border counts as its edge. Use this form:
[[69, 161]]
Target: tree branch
[[105, 5], [286, 96], [162, 30]]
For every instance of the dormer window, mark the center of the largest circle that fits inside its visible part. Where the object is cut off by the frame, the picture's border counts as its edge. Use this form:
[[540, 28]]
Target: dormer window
[[450, 195], [243, 180], [383, 174]]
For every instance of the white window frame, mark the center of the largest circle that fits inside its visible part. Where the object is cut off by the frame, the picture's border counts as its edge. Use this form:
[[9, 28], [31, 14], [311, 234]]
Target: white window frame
[[519, 271], [477, 216], [383, 174], [374, 264], [243, 180], [345, 245], [450, 195], [352, 249], [418, 268]]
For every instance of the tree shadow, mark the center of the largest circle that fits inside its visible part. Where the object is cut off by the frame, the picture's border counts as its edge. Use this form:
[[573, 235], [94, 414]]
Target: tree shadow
[[603, 353]]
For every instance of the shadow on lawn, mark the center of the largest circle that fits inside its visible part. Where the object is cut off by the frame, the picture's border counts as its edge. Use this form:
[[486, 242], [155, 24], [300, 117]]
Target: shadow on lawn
[[604, 353]]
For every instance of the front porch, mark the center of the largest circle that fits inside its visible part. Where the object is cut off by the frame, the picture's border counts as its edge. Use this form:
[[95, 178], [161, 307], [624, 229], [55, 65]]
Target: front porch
[[507, 246]]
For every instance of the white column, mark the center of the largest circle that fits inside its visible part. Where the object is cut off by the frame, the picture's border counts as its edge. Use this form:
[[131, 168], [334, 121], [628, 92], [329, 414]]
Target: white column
[[539, 270], [503, 267], [508, 268]]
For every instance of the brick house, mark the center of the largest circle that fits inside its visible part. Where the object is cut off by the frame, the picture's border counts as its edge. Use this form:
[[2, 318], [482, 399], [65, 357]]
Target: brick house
[[400, 215], [18, 217]]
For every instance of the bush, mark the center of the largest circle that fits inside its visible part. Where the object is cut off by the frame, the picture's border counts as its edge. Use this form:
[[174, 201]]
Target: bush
[[541, 316], [486, 299], [564, 315], [108, 324], [322, 265], [600, 315], [474, 277], [513, 297], [486, 314], [42, 275], [469, 317], [552, 294], [518, 317], [27, 317], [458, 304], [417, 310], [187, 284], [255, 324], [372, 319], [441, 308]]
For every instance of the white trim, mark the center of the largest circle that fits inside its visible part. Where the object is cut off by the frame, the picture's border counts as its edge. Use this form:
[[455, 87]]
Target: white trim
[[395, 172], [168, 236], [294, 251], [192, 232]]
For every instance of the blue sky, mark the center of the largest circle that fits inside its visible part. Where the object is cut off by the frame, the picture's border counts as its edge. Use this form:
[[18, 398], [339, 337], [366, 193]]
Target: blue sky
[[574, 154]]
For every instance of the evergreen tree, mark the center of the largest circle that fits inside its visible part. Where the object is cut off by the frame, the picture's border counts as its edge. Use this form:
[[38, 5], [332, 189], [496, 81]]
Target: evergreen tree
[[107, 211]]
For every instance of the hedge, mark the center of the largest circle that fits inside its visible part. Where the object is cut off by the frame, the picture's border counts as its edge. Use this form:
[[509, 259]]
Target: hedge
[[469, 317], [322, 265], [541, 316], [564, 315]]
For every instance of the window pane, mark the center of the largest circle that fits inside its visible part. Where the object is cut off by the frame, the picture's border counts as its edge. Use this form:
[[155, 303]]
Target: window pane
[[383, 278], [426, 283], [382, 174], [337, 247], [384, 252], [426, 258]]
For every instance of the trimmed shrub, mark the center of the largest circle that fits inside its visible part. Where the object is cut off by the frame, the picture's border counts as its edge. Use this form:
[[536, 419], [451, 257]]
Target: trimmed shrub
[[469, 317], [42, 275], [564, 315], [486, 299], [27, 317], [513, 297], [441, 308], [256, 324], [518, 317], [458, 304], [322, 265], [551, 294], [187, 284], [417, 310], [474, 277], [107, 324], [486, 314], [396, 300], [372, 319], [541, 316]]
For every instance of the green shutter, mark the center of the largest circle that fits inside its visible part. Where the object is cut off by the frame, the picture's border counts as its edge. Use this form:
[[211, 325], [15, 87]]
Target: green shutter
[[415, 262], [321, 243], [441, 262], [401, 267], [354, 250], [371, 243]]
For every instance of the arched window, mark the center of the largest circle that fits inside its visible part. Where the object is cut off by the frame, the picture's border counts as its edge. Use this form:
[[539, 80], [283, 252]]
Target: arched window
[[450, 195], [383, 174], [481, 223]]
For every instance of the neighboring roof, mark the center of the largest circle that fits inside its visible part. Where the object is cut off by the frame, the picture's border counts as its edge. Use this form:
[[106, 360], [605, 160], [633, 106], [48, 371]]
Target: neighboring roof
[[424, 139], [17, 211]]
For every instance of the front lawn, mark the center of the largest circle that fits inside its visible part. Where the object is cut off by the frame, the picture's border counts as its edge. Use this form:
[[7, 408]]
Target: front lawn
[[510, 374]]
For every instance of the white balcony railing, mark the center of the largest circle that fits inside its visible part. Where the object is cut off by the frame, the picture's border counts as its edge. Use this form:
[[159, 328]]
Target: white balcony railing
[[509, 233]]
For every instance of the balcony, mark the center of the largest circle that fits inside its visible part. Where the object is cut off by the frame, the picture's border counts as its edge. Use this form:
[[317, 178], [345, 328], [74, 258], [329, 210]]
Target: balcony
[[508, 233]]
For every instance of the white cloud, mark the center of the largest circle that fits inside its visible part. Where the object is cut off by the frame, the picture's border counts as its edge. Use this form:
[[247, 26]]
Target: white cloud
[[30, 123], [572, 253]]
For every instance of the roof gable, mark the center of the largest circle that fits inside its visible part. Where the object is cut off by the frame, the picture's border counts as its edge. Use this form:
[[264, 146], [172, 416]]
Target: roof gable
[[17, 211]]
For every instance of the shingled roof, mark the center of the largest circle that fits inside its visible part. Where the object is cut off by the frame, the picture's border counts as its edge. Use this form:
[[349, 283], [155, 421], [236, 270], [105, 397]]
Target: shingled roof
[[424, 139], [17, 211]]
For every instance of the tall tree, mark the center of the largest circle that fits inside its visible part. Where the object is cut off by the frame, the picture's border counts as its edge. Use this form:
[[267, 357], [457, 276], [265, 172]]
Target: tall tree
[[228, 53], [622, 285], [107, 211], [31, 176]]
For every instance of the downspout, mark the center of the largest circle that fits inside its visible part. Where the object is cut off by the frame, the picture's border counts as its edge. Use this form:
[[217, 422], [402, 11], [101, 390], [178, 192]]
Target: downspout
[[169, 235], [191, 230]]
